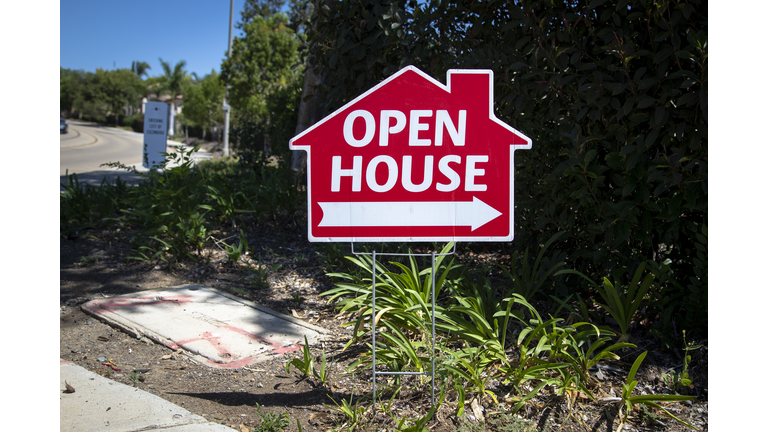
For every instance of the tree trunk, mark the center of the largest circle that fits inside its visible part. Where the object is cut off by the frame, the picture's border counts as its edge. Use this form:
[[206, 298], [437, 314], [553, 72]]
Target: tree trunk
[[309, 114], [267, 141]]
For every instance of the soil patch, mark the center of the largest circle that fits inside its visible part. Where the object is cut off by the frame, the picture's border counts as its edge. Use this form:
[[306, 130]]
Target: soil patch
[[95, 265]]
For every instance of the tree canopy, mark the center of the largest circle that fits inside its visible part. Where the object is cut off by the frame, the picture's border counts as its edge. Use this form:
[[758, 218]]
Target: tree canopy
[[203, 101], [172, 81], [264, 68]]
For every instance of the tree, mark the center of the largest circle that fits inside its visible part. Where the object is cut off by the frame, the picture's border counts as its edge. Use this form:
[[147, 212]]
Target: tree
[[66, 90], [203, 102], [299, 13], [140, 68], [116, 89], [262, 8], [172, 81], [264, 64]]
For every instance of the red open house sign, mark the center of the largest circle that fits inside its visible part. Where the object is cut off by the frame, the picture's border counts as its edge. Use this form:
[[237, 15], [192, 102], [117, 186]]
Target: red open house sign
[[413, 160]]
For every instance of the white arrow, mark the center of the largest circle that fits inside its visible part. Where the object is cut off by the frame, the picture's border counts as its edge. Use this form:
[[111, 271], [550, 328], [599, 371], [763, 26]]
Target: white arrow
[[473, 213]]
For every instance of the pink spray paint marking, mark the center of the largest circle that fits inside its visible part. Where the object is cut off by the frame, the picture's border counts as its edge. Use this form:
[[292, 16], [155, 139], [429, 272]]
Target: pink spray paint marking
[[215, 341]]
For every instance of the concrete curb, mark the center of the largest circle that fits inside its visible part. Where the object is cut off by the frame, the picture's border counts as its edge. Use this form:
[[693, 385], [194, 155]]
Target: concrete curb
[[100, 404]]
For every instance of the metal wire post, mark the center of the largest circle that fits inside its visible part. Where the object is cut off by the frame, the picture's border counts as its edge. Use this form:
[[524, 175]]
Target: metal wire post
[[431, 373], [373, 327], [434, 276]]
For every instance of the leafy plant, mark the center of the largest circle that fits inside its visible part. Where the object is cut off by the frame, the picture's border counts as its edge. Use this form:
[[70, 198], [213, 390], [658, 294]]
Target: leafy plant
[[621, 302], [234, 252], [418, 424], [395, 350], [306, 365], [403, 300], [85, 261], [481, 322], [83, 206], [170, 204], [258, 274], [225, 202], [585, 359], [677, 381], [628, 401], [272, 421], [528, 280], [134, 377], [503, 422], [322, 374], [352, 415], [297, 297], [279, 196], [469, 369]]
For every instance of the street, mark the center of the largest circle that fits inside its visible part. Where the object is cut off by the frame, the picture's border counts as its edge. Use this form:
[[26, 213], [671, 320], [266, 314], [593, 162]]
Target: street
[[86, 146]]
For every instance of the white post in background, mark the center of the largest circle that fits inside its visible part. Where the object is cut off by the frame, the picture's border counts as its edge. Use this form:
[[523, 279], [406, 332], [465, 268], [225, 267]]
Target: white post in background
[[226, 106]]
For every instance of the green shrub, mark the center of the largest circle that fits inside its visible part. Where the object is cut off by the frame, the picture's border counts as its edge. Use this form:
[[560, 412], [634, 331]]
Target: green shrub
[[613, 94]]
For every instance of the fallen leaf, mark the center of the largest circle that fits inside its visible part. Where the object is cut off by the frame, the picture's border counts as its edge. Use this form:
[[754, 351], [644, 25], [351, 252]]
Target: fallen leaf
[[69, 389], [315, 416], [244, 428], [477, 410], [165, 357]]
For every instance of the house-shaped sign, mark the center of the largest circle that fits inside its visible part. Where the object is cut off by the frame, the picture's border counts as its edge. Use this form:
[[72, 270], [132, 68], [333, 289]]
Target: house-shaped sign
[[412, 159]]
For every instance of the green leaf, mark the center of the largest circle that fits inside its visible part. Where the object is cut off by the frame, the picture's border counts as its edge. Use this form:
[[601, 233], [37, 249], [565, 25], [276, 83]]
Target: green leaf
[[645, 101]]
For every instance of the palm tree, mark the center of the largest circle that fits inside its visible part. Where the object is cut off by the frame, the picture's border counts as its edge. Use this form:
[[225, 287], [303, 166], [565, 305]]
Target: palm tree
[[140, 68], [173, 80]]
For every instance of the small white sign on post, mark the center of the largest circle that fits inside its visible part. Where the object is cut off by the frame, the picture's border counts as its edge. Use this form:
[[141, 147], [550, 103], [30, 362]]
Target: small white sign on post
[[155, 133]]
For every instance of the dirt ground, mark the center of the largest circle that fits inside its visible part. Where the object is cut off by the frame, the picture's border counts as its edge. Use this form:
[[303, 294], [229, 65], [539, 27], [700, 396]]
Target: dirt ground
[[94, 265]]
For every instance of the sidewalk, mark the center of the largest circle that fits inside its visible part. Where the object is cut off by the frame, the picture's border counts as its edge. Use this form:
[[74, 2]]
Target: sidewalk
[[100, 404]]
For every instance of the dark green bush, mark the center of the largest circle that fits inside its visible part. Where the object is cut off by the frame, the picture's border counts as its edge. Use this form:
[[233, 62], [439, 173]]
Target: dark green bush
[[136, 122], [613, 95]]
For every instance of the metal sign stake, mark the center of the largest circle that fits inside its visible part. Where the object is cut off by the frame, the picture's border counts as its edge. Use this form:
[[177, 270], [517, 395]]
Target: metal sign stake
[[433, 276]]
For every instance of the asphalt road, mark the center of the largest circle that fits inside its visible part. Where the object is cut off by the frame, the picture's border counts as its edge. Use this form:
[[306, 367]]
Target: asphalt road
[[87, 146]]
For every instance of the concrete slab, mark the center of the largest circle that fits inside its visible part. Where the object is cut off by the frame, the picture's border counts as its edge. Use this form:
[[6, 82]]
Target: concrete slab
[[221, 330], [100, 404]]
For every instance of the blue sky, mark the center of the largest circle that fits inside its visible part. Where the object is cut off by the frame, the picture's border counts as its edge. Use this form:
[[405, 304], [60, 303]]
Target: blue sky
[[112, 34]]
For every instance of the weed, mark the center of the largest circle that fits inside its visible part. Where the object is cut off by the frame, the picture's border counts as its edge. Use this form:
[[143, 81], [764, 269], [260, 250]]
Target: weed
[[257, 276], [528, 280], [297, 297], [352, 415], [134, 377], [272, 421], [628, 401], [85, 261], [503, 423], [234, 252], [418, 424], [621, 302], [676, 381], [306, 365]]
